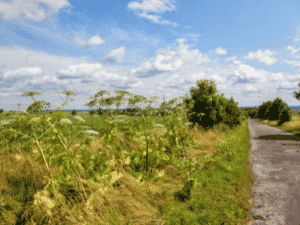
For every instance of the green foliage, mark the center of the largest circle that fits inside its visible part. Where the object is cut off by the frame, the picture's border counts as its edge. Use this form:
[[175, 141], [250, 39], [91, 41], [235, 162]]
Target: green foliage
[[92, 112], [285, 116], [131, 111], [276, 110], [277, 107], [208, 109], [185, 194], [74, 112], [102, 112], [233, 114], [1, 111], [99, 112], [37, 107], [264, 110], [252, 112], [94, 167]]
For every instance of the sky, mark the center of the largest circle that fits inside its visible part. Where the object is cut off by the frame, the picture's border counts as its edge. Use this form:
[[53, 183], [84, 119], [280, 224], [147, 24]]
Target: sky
[[149, 48]]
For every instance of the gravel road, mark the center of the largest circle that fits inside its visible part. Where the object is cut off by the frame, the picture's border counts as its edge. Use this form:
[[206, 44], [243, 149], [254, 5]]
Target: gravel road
[[275, 158]]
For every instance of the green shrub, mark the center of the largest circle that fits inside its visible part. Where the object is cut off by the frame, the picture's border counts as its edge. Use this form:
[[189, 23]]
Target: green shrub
[[99, 112], [92, 112], [74, 112], [274, 110], [253, 112], [208, 109], [130, 111], [285, 116], [264, 110], [37, 107]]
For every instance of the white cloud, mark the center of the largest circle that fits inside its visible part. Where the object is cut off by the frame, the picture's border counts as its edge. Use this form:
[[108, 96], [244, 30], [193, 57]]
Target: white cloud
[[95, 40], [294, 63], [82, 68], [30, 8], [233, 59], [152, 6], [294, 51], [221, 51], [263, 57], [116, 55], [170, 61], [23, 72]]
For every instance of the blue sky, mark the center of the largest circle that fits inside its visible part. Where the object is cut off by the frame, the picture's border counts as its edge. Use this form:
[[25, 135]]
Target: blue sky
[[150, 48]]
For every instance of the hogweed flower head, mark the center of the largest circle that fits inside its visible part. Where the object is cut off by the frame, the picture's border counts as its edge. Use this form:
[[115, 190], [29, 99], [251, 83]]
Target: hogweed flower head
[[64, 121], [79, 118], [34, 119], [4, 122]]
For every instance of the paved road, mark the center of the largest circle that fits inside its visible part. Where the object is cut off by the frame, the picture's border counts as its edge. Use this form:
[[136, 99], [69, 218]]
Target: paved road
[[275, 158]]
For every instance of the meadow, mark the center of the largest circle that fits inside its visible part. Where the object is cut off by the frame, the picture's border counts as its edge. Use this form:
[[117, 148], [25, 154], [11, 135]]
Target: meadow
[[91, 169]]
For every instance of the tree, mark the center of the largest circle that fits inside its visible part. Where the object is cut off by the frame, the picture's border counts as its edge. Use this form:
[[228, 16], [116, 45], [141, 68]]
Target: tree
[[207, 108], [264, 110], [276, 109], [297, 94]]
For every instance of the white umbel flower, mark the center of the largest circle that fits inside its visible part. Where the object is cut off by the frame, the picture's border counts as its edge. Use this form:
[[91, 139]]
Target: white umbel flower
[[64, 121]]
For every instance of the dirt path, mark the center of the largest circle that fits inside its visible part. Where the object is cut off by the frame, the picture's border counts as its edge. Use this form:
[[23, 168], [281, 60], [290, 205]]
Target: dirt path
[[275, 158]]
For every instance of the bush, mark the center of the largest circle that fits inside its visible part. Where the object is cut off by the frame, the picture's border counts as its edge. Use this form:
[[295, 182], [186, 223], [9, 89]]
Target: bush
[[253, 112], [277, 108], [99, 112], [233, 115], [130, 111], [92, 112], [74, 112], [274, 110], [37, 107], [285, 116], [208, 109], [1, 111], [264, 110]]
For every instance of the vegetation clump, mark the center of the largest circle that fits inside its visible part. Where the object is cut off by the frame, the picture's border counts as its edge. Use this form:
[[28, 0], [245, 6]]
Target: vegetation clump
[[207, 108], [74, 112], [276, 110]]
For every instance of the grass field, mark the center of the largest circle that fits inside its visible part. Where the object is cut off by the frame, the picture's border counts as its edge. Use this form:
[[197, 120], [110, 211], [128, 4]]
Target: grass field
[[194, 176]]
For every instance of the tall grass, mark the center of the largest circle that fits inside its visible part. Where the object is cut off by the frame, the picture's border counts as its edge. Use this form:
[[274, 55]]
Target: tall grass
[[64, 169]]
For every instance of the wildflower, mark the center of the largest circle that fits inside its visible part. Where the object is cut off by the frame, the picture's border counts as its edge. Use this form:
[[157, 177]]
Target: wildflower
[[65, 121], [4, 122], [159, 125], [79, 118], [90, 132], [45, 201], [160, 174], [34, 119]]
